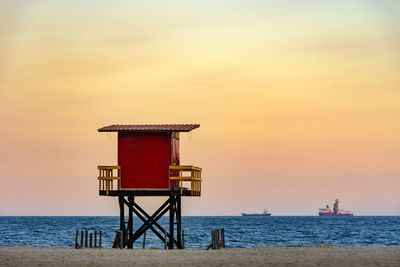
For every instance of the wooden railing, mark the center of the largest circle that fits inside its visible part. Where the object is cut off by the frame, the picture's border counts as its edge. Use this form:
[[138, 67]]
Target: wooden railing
[[107, 175], [183, 176]]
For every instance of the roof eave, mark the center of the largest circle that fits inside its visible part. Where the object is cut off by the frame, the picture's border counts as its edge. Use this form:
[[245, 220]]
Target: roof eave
[[113, 128]]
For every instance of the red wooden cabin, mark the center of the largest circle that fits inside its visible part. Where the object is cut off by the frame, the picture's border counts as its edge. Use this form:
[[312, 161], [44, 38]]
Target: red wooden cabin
[[148, 160]]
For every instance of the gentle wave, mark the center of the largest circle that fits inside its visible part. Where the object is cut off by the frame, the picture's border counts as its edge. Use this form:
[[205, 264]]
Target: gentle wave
[[239, 231]]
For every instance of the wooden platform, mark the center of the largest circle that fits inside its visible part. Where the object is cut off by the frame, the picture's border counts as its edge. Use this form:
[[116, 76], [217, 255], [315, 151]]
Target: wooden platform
[[148, 193]]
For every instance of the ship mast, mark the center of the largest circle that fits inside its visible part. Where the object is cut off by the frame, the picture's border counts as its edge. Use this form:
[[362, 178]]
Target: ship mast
[[336, 207]]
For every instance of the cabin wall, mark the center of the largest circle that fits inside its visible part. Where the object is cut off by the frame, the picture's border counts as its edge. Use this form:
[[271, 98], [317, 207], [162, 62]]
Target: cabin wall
[[144, 159]]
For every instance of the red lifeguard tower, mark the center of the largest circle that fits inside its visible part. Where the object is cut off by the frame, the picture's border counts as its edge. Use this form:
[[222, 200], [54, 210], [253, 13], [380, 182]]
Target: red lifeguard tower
[[148, 165]]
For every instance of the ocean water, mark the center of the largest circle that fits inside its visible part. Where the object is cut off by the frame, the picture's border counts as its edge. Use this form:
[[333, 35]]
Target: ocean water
[[240, 232]]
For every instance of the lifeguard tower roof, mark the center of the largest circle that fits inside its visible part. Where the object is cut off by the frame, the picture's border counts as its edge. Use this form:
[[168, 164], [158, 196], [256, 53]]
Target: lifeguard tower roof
[[149, 128]]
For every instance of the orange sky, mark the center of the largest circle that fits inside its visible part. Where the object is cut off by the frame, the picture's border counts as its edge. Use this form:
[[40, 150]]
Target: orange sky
[[298, 101]]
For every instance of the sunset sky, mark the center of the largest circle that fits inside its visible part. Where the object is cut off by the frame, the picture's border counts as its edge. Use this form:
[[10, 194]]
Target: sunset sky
[[298, 101]]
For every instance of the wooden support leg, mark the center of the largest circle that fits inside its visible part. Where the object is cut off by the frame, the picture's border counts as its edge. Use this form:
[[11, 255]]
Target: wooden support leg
[[171, 222], [121, 218], [178, 222], [121, 239], [130, 222]]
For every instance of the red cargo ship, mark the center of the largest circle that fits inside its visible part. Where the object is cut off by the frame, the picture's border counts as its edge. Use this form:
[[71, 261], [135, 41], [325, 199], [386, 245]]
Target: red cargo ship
[[336, 211]]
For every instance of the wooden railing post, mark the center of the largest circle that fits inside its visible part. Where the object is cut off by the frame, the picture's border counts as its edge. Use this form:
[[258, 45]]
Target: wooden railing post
[[106, 177], [194, 178]]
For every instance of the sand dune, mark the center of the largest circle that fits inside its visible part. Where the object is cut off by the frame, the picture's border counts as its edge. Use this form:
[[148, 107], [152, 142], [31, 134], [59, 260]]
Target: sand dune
[[286, 256]]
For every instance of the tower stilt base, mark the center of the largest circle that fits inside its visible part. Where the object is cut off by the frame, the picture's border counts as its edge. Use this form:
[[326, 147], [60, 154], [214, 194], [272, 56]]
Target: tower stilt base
[[171, 205]]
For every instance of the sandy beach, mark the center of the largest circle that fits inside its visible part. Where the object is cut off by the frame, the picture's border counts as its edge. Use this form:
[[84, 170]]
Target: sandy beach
[[272, 256]]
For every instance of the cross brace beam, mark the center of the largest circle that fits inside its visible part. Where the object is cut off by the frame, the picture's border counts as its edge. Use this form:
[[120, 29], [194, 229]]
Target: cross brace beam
[[172, 204]]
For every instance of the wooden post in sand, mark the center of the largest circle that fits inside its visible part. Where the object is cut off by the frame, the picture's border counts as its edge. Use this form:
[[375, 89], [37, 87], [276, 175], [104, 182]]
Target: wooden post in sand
[[217, 239], [213, 239], [95, 239], [100, 240], [223, 238], [76, 239], [81, 239], [218, 244], [86, 237], [90, 240]]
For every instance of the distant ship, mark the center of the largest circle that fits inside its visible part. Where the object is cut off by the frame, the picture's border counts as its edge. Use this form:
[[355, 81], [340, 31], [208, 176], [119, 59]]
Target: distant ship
[[265, 213], [336, 211]]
